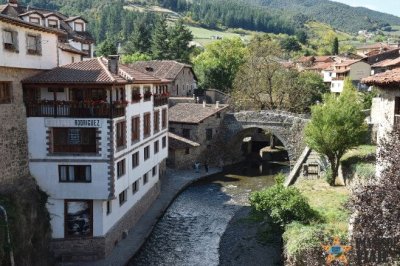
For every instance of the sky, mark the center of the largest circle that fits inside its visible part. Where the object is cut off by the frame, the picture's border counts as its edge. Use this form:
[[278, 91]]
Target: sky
[[386, 6]]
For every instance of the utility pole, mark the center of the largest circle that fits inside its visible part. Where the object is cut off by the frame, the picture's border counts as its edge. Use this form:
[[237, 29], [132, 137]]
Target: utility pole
[[8, 235]]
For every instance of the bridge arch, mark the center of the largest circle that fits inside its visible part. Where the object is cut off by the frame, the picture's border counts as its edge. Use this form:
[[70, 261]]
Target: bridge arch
[[287, 127]]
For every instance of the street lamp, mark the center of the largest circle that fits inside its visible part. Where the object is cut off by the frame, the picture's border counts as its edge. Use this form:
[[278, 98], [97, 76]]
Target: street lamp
[[8, 235]]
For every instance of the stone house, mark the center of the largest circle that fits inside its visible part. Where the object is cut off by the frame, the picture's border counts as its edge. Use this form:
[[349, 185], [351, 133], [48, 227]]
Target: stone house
[[30, 42], [196, 124], [97, 140], [181, 77]]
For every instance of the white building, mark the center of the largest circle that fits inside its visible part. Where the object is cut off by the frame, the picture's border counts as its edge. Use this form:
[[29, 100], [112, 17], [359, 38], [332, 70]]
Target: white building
[[97, 135], [37, 38], [355, 70]]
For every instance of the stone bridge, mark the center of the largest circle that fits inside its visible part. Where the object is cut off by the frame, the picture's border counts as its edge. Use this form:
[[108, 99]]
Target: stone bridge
[[287, 127]]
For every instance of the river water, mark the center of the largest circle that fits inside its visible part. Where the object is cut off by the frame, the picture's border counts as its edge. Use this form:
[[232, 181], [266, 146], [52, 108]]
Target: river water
[[190, 231]]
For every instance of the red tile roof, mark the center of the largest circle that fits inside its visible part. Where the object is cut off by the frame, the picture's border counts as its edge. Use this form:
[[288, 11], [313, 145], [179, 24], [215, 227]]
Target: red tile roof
[[387, 63], [93, 71], [386, 79], [193, 113], [162, 69], [68, 48]]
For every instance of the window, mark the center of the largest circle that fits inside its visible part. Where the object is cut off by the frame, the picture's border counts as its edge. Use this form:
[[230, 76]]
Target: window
[[147, 93], [75, 173], [121, 132], [154, 171], [121, 168], [135, 160], [146, 129], [123, 197], [74, 140], [135, 187], [145, 178], [156, 147], [156, 121], [164, 119], [136, 95], [53, 23], [135, 128], [86, 49], [218, 115], [164, 142], [33, 44], [78, 218], [10, 40], [34, 20], [5, 92], [109, 207], [187, 151], [172, 129], [79, 26], [146, 153], [209, 134], [186, 133]]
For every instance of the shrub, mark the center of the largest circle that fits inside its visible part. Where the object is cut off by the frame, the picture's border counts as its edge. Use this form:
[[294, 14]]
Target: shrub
[[283, 205]]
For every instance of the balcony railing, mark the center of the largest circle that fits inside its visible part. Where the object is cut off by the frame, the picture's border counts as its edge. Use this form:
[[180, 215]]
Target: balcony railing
[[397, 122], [160, 100], [73, 109]]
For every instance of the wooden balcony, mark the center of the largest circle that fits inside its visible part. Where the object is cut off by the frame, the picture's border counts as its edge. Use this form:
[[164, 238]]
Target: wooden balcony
[[73, 109], [160, 100]]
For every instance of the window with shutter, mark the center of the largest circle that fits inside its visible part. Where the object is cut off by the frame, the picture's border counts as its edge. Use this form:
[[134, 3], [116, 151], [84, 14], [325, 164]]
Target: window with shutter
[[33, 44], [10, 40]]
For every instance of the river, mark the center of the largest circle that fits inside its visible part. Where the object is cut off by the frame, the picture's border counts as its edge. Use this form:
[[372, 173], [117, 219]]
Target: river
[[190, 231]]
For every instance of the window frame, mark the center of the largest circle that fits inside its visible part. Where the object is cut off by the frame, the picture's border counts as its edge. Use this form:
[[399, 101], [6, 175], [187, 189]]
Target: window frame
[[90, 207], [53, 20], [145, 178], [135, 129], [135, 187], [120, 134], [5, 92], [121, 168], [146, 125], [156, 146], [164, 118], [81, 24], [156, 121], [164, 142], [33, 19], [123, 197], [146, 153], [108, 207], [68, 180]]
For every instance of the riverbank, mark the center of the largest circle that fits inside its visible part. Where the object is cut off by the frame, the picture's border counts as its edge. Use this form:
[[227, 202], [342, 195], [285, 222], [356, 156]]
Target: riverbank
[[172, 184], [244, 241]]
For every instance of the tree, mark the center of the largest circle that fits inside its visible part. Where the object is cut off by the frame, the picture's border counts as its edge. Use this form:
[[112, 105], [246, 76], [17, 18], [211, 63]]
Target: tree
[[217, 66], [108, 47], [290, 44], [264, 83], [140, 40], [302, 36], [335, 46], [180, 38], [159, 41], [130, 58], [375, 204], [336, 126]]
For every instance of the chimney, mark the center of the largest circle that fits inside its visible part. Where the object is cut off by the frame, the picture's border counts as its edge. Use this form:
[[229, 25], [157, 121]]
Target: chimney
[[113, 63], [217, 104], [204, 104]]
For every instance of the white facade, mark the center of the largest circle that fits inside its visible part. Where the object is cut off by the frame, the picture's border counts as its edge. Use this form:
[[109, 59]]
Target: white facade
[[19, 57], [104, 188], [355, 72]]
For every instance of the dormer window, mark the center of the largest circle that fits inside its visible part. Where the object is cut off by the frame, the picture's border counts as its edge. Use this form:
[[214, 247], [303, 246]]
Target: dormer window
[[53, 23], [78, 26], [34, 20]]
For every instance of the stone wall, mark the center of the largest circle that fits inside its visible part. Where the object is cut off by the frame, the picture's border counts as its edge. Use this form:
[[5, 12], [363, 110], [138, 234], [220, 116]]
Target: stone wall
[[184, 84], [91, 249], [13, 132]]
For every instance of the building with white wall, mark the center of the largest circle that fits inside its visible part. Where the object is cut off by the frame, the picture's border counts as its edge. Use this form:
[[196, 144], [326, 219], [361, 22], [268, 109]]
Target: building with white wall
[[70, 42], [97, 136], [355, 70]]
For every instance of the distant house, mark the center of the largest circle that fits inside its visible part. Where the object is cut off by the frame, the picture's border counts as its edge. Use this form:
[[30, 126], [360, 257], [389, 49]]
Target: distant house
[[181, 77], [197, 126], [385, 65], [372, 48], [353, 69], [314, 63]]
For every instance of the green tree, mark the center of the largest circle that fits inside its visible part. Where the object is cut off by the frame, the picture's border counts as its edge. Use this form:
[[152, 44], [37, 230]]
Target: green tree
[[179, 39], [290, 44], [217, 66], [336, 126], [139, 41], [108, 47], [130, 58], [159, 41], [335, 46]]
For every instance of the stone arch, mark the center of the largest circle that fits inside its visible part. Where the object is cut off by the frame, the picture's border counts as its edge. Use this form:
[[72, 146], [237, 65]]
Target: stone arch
[[287, 127]]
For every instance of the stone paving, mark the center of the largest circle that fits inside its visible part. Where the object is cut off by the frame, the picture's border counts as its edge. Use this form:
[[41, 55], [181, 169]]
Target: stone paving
[[172, 184]]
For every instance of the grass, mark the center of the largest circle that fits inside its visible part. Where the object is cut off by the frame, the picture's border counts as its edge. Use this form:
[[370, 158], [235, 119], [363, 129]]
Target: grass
[[204, 36], [319, 30], [362, 151], [329, 202]]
